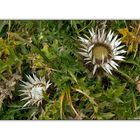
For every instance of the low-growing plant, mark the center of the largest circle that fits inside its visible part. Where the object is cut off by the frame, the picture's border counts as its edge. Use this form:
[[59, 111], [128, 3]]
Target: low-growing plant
[[41, 60]]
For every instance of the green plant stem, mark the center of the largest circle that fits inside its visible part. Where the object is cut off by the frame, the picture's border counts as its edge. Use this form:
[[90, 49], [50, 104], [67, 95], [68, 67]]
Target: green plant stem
[[131, 62], [130, 80]]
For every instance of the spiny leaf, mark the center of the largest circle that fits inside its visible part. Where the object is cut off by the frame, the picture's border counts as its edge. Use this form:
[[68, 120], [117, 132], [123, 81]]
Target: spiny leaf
[[73, 76]]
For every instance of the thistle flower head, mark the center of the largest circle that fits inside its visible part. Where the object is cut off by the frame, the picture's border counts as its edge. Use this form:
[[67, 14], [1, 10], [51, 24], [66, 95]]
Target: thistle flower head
[[102, 49], [33, 90]]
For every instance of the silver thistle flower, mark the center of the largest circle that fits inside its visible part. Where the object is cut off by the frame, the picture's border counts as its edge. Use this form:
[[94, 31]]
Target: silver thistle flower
[[102, 50], [33, 90]]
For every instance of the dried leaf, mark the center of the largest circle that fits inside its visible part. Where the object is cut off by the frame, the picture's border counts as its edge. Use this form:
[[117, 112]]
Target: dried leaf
[[131, 38], [138, 86], [137, 81], [7, 86]]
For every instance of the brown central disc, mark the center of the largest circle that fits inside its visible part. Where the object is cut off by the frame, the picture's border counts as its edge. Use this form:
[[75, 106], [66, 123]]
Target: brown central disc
[[101, 53]]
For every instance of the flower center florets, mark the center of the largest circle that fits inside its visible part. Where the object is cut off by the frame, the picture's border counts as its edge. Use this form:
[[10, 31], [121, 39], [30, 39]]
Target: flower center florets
[[101, 53], [37, 92]]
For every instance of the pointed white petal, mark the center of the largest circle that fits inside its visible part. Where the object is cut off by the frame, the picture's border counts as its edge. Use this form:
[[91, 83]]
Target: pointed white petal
[[117, 42], [94, 69], [84, 54], [30, 79], [110, 36], [87, 58], [118, 48], [27, 103], [85, 41], [90, 48], [84, 46], [33, 102], [99, 35], [90, 55], [93, 60], [26, 85], [48, 84], [39, 102], [83, 49], [87, 37], [94, 39], [119, 57], [23, 94], [91, 32], [103, 66], [88, 62], [36, 79], [114, 64], [108, 68], [24, 91], [113, 40], [120, 52], [103, 35], [26, 98]]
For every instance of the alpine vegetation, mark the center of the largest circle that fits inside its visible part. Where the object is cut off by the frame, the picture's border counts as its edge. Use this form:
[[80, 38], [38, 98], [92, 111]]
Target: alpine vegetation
[[102, 49], [34, 89]]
